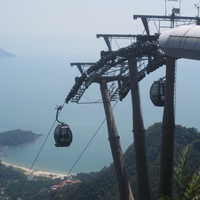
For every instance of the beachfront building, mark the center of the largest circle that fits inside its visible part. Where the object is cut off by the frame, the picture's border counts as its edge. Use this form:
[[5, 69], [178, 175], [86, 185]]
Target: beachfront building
[[64, 183]]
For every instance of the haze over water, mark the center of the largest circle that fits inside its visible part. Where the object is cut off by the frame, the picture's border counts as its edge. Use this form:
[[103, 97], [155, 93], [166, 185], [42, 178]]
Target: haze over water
[[52, 159], [46, 36], [32, 87], [38, 85]]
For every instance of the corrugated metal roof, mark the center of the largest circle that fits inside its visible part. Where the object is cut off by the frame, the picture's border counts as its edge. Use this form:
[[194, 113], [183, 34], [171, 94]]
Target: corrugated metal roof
[[181, 42]]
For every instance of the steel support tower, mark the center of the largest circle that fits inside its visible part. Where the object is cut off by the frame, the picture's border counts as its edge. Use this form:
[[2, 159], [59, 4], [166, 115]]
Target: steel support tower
[[123, 69]]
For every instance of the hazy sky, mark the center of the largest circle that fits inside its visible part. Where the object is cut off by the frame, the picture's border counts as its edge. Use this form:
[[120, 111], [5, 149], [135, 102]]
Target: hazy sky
[[47, 35], [69, 27]]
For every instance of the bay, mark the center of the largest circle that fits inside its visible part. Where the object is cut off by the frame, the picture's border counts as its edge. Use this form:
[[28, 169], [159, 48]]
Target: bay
[[31, 87], [52, 159]]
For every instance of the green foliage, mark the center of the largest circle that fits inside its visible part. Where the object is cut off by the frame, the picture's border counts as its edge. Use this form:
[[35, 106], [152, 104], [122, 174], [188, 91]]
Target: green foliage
[[102, 185], [165, 198], [30, 189], [17, 137], [9, 174], [84, 176], [187, 180]]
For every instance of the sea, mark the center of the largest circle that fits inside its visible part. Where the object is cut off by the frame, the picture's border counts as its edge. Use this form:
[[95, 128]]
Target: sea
[[31, 88], [41, 156]]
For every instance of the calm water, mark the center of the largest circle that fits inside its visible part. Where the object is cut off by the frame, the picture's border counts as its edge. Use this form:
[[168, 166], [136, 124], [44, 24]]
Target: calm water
[[52, 159], [31, 87]]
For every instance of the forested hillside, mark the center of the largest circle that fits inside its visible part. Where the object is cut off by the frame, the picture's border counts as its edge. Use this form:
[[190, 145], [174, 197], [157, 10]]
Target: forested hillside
[[102, 185], [9, 174], [17, 137]]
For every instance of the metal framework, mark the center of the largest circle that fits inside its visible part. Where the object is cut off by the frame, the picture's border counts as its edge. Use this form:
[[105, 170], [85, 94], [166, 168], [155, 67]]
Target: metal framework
[[165, 22], [124, 68], [113, 67]]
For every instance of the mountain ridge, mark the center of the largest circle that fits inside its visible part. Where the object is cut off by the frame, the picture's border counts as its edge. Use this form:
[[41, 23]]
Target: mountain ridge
[[103, 184], [5, 54]]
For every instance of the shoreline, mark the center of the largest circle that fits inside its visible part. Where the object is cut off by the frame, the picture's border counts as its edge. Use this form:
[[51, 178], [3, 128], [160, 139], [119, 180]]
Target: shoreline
[[32, 173]]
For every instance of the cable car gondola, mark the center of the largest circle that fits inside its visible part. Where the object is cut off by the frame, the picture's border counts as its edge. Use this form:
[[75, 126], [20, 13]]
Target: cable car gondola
[[157, 92], [62, 133]]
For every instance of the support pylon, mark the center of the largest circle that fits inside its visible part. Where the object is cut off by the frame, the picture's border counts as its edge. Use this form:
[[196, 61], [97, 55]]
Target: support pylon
[[125, 191], [168, 127], [139, 135]]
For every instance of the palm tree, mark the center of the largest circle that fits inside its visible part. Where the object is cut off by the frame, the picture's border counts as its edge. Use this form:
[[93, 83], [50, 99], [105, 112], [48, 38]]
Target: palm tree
[[188, 184]]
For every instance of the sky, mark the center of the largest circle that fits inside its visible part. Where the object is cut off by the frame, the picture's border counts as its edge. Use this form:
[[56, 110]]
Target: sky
[[66, 27], [47, 35]]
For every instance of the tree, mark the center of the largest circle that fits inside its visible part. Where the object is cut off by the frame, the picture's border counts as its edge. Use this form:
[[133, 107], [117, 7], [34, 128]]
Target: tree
[[188, 184], [187, 180]]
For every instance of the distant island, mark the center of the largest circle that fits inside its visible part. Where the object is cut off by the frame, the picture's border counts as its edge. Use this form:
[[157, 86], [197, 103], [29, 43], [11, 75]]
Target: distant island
[[17, 137], [5, 54]]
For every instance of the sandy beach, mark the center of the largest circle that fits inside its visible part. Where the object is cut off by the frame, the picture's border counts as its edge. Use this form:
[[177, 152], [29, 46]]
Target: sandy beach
[[36, 173]]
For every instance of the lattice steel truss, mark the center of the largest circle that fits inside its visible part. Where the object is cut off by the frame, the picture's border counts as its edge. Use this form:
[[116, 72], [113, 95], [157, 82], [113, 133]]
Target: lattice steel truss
[[113, 65]]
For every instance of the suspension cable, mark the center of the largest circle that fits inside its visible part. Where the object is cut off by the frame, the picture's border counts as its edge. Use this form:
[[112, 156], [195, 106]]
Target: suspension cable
[[86, 147], [89, 142], [30, 170], [45, 142]]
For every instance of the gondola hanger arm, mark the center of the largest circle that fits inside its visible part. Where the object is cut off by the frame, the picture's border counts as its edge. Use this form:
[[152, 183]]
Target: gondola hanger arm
[[57, 113]]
